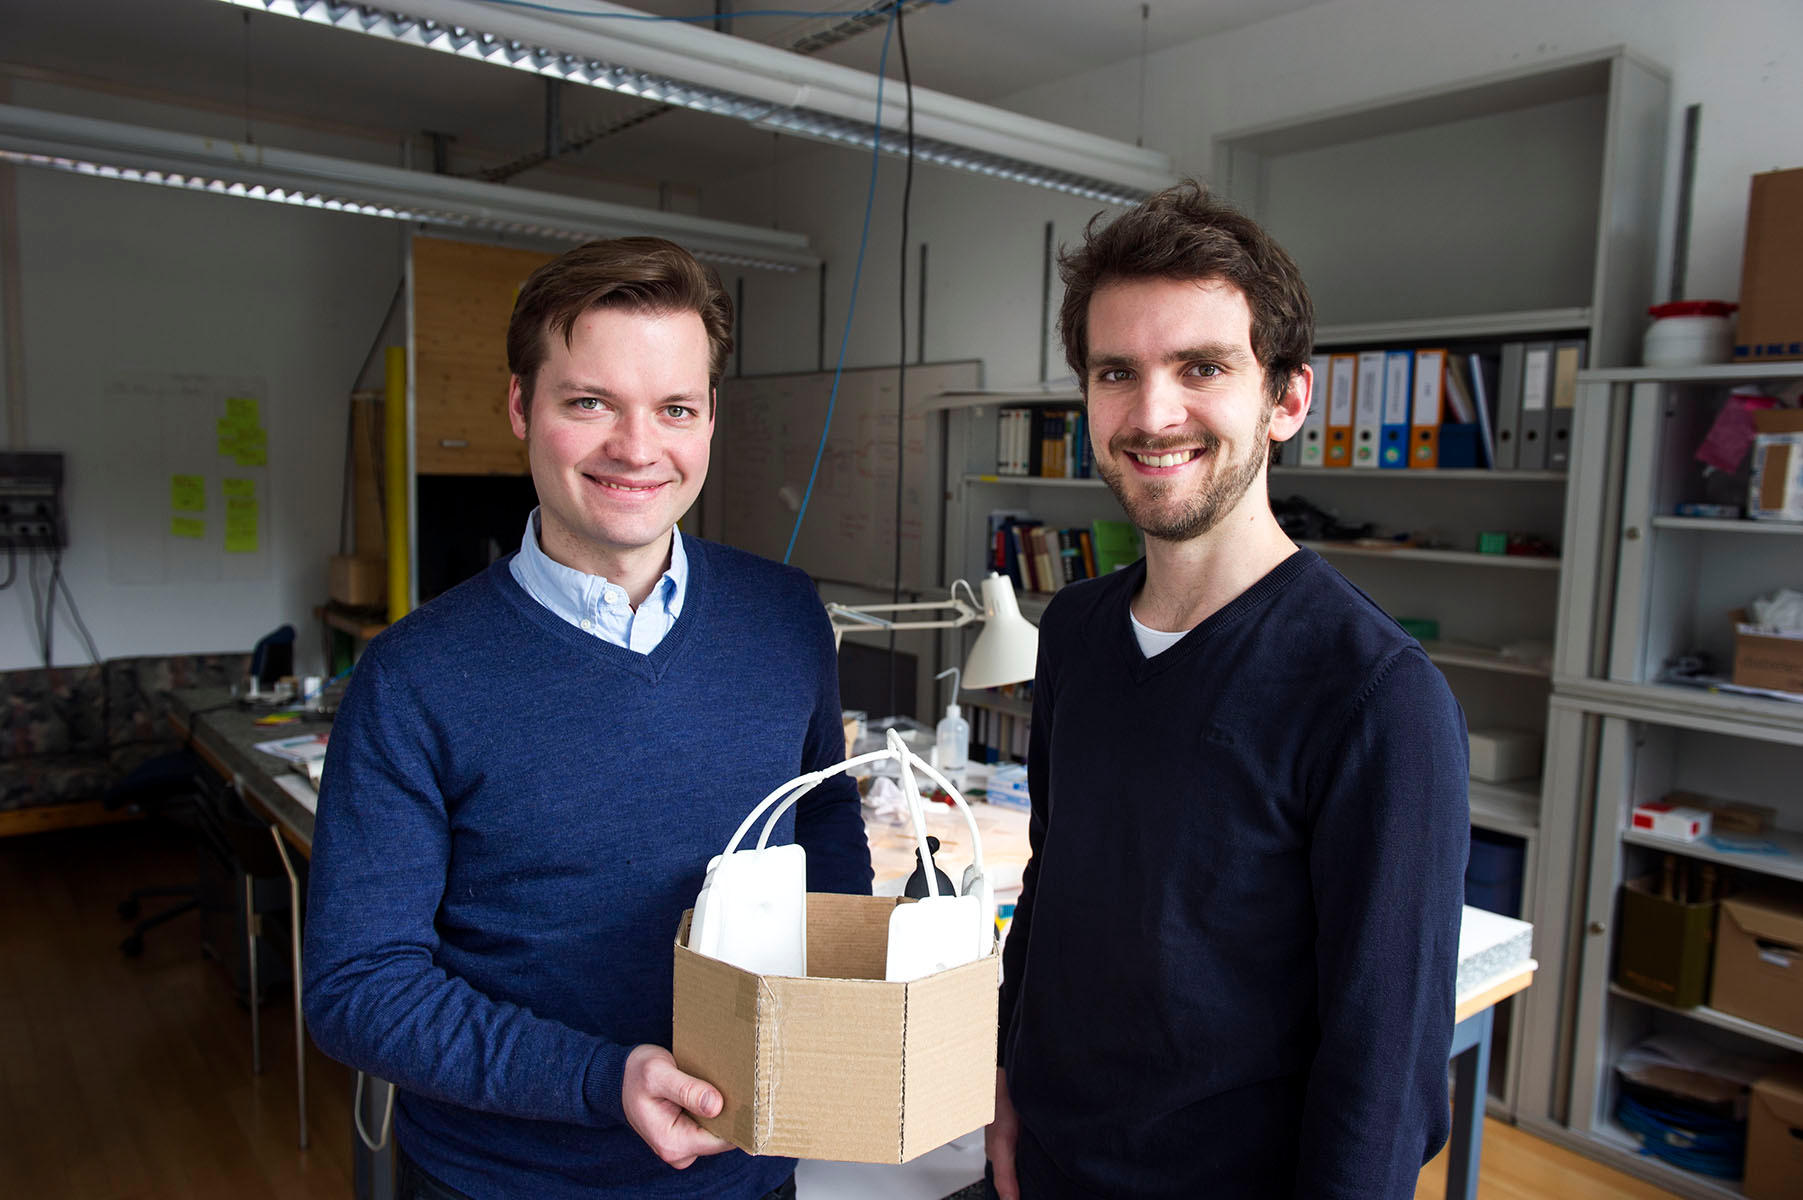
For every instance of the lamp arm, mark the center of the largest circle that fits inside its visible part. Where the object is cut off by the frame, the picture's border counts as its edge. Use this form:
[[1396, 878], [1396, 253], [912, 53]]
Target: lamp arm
[[864, 617]]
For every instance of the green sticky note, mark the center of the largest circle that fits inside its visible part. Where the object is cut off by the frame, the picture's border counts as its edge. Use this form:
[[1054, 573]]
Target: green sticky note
[[252, 449], [242, 411], [188, 493], [187, 527], [240, 489], [228, 437], [240, 524]]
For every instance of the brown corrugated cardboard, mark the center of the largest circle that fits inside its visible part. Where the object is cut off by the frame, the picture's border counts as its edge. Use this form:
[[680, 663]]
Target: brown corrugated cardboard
[[841, 1065], [1775, 1137], [1771, 274], [358, 582], [1763, 659], [1759, 962]]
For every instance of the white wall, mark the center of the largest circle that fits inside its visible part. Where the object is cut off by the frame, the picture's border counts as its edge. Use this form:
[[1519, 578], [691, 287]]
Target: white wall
[[1739, 59], [121, 278]]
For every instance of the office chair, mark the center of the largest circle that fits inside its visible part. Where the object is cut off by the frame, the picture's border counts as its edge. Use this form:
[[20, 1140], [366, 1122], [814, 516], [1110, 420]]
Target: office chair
[[163, 788]]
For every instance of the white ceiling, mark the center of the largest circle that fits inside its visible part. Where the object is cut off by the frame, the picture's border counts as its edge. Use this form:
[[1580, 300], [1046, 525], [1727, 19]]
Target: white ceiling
[[267, 67]]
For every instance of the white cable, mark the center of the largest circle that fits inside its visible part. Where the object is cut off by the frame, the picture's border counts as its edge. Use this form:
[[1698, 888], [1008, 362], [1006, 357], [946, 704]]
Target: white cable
[[375, 1147]]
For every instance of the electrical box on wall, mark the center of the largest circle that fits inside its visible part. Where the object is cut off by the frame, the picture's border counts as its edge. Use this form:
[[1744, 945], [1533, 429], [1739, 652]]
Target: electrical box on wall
[[31, 501]]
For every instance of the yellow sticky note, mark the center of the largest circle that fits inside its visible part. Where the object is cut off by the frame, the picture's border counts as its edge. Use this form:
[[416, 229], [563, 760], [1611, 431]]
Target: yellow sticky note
[[252, 449], [240, 489], [240, 526], [228, 436], [188, 493], [187, 527], [242, 411]]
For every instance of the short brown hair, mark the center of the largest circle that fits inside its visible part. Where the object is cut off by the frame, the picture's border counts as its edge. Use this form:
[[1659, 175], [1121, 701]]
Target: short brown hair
[[646, 274], [1185, 233]]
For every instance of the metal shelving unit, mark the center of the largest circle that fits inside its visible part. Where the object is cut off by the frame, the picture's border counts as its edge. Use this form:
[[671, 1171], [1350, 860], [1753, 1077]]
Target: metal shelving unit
[[1670, 584]]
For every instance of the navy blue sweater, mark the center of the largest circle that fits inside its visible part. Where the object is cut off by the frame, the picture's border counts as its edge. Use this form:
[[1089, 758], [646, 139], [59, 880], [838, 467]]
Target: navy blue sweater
[[514, 815], [1231, 970]]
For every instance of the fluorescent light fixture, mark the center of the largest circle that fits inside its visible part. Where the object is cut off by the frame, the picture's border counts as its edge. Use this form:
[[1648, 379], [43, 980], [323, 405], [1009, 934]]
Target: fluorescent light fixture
[[681, 64], [109, 150], [1007, 649]]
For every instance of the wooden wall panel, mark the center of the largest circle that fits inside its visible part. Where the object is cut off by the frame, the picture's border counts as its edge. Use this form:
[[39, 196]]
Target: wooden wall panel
[[463, 294]]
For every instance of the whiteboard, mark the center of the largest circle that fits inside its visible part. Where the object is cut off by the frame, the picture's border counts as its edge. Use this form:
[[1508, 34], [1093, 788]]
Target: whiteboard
[[161, 427], [766, 433]]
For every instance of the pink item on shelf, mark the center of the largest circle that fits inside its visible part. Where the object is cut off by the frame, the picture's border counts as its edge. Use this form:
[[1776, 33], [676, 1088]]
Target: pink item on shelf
[[1731, 436]]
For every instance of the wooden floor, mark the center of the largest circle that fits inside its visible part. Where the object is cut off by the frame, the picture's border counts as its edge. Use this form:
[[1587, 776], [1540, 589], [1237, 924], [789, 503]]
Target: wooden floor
[[127, 1079]]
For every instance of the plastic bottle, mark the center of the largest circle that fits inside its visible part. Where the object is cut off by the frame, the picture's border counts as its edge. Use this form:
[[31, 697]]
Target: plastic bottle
[[952, 738]]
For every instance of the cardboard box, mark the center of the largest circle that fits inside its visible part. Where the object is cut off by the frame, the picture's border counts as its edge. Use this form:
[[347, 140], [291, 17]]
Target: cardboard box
[[1775, 1137], [1775, 485], [1763, 659], [1771, 273], [359, 582], [841, 1065], [1771, 276], [1500, 755], [1759, 961], [1666, 946]]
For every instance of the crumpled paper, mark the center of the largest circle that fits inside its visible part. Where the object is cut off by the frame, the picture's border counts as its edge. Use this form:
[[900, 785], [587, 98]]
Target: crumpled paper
[[1781, 612]]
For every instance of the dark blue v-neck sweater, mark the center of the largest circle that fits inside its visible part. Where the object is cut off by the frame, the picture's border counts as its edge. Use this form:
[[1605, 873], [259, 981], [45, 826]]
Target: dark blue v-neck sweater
[[514, 815], [1231, 970]]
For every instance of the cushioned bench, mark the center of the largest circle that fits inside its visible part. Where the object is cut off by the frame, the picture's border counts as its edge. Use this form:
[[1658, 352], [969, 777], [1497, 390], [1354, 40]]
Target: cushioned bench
[[68, 734]]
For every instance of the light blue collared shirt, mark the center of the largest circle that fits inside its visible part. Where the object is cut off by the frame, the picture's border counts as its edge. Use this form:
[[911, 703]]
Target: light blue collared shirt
[[594, 605]]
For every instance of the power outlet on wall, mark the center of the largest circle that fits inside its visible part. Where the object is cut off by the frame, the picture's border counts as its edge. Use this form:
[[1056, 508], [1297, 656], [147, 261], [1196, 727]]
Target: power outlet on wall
[[31, 501]]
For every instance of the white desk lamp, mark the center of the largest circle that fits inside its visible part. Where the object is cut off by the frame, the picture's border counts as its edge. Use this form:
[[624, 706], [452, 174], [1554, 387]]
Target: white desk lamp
[[1007, 649]]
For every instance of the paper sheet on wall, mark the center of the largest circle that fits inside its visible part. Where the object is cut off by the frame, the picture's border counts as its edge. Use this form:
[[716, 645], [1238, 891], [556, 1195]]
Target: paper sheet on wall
[[164, 432]]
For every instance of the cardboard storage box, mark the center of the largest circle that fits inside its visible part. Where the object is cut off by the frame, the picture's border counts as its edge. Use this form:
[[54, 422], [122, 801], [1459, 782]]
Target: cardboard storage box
[[1759, 962], [1771, 274], [841, 1065], [359, 582], [1665, 946], [1775, 1138], [1763, 659], [1775, 484]]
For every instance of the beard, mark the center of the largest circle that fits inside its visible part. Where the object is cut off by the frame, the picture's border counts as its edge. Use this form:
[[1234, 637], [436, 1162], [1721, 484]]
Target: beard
[[1151, 507]]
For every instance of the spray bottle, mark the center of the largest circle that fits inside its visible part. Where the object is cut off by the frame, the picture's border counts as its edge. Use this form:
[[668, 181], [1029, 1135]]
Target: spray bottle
[[952, 740]]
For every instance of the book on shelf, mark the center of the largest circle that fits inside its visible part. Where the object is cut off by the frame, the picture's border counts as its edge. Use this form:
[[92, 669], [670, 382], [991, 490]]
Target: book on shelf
[[1041, 558], [1043, 442], [1117, 545]]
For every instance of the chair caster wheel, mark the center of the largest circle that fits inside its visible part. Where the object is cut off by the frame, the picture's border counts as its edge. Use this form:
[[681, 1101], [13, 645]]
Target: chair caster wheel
[[132, 946], [127, 909]]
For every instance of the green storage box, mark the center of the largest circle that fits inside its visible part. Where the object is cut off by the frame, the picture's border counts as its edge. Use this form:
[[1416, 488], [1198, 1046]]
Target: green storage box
[[1666, 946]]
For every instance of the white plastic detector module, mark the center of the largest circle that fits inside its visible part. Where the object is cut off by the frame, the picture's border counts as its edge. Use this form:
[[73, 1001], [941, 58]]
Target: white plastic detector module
[[752, 908]]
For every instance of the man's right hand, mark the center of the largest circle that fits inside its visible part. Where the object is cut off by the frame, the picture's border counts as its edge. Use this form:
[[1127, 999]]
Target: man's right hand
[[659, 1099], [1000, 1138]]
